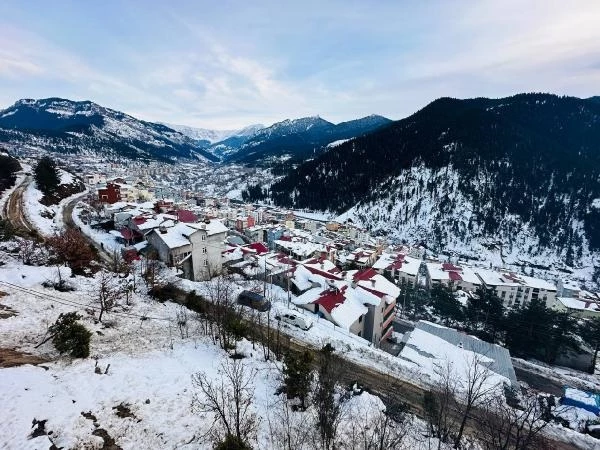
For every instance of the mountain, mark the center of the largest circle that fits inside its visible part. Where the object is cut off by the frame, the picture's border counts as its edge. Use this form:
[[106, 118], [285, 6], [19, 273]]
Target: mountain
[[300, 139], [220, 143], [520, 172], [68, 126], [208, 137]]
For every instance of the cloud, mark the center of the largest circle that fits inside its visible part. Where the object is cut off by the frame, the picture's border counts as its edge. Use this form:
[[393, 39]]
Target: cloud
[[222, 67]]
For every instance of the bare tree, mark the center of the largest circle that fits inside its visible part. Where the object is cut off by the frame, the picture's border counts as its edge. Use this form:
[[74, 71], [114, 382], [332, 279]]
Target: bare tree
[[288, 429], [440, 403], [229, 399], [373, 426], [329, 397], [502, 427], [474, 389], [29, 251], [71, 248], [108, 293]]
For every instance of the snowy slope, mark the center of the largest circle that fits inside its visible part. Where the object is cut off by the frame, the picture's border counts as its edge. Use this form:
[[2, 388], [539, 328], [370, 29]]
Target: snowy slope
[[68, 126], [212, 136]]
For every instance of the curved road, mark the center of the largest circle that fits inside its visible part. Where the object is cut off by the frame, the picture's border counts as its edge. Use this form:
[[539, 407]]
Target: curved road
[[67, 213], [14, 211]]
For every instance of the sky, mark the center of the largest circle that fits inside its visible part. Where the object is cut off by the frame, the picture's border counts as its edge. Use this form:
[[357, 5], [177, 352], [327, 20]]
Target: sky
[[227, 64]]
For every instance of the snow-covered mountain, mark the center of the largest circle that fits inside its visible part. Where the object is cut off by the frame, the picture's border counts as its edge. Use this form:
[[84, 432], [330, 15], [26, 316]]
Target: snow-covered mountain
[[300, 139], [212, 136], [519, 173], [67, 126]]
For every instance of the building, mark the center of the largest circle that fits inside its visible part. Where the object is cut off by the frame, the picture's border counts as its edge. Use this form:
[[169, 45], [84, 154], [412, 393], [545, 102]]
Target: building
[[196, 248], [430, 346], [110, 194], [577, 307], [454, 277], [516, 290], [361, 302]]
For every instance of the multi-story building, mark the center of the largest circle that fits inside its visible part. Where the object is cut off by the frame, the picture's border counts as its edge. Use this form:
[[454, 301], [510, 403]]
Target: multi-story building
[[195, 248]]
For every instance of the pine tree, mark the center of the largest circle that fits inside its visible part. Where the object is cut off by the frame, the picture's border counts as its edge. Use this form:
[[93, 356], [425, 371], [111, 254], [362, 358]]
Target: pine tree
[[69, 336], [46, 175], [590, 332], [297, 371], [445, 304]]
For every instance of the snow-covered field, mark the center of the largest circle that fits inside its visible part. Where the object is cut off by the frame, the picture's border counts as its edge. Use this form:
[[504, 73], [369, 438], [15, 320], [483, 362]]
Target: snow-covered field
[[150, 371]]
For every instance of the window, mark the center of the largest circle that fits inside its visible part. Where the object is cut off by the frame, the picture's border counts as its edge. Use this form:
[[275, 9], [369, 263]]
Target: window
[[205, 262], [203, 237], [204, 250]]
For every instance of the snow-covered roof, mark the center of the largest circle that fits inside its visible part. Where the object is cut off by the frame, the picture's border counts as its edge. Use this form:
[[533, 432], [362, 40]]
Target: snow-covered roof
[[431, 346], [581, 305], [176, 236], [436, 272]]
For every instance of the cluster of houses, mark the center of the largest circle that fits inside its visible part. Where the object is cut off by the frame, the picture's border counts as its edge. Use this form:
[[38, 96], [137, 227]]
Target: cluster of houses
[[336, 270]]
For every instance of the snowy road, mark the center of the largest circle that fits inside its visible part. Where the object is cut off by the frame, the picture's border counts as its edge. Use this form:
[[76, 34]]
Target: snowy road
[[13, 209]]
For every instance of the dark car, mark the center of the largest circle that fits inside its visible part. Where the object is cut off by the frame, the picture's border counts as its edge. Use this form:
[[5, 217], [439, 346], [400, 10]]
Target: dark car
[[254, 301]]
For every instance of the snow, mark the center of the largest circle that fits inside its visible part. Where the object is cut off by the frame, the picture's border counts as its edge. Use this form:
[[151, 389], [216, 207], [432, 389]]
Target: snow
[[150, 371], [337, 143], [431, 354], [47, 220], [581, 305]]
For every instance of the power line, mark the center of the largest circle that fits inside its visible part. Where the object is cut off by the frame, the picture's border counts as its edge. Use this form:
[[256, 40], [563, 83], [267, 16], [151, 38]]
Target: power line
[[73, 303]]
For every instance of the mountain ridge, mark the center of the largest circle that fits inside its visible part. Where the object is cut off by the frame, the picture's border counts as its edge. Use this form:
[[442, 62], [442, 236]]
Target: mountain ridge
[[67, 126], [525, 168]]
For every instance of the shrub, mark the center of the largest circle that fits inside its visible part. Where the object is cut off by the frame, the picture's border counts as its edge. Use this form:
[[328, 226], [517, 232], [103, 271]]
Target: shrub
[[71, 337], [232, 442]]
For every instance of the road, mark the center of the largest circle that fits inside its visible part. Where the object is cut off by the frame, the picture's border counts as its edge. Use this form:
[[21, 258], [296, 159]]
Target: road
[[14, 211], [69, 223]]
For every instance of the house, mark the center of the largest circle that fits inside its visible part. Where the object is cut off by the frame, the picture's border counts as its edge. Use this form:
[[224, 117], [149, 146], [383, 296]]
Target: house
[[110, 194], [362, 302], [577, 307], [195, 248], [452, 276]]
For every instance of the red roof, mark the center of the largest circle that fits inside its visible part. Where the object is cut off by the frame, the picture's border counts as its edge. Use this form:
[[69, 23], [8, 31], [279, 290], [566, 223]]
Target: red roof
[[323, 273], [139, 220], [130, 255], [449, 266], [186, 216], [259, 247], [454, 276], [331, 299], [285, 238], [126, 233], [365, 274]]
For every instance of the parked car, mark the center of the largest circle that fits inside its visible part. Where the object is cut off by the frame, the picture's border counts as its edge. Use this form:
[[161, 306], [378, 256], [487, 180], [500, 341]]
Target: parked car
[[254, 300], [295, 319]]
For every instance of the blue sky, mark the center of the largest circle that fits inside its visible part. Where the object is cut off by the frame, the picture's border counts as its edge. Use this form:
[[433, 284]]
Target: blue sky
[[226, 64]]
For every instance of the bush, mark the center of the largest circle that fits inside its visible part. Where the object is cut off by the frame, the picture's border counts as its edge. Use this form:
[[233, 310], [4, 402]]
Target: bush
[[71, 337], [232, 442]]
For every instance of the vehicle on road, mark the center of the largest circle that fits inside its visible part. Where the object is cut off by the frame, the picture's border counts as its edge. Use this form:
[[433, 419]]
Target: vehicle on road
[[254, 300], [298, 320]]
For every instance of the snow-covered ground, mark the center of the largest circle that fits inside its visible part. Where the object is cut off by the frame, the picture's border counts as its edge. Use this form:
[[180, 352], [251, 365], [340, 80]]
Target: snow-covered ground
[[108, 241], [48, 220], [150, 371]]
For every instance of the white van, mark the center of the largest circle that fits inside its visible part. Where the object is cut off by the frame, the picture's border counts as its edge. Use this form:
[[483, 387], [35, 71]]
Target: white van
[[292, 318]]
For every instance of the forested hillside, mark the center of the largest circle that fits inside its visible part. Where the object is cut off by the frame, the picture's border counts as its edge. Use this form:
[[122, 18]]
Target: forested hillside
[[524, 169]]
